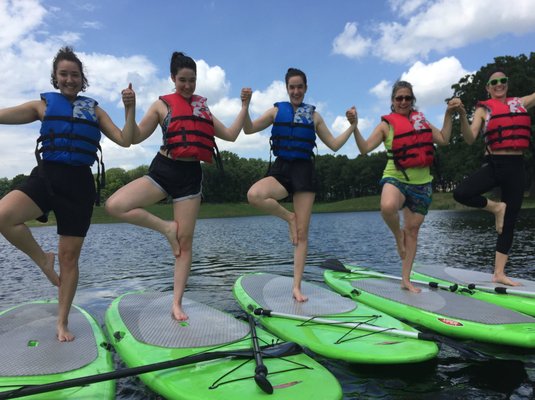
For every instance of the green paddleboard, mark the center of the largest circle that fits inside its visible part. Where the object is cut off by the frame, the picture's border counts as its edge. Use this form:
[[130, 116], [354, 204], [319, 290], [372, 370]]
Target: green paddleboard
[[143, 332], [329, 324], [438, 310], [479, 285], [30, 353]]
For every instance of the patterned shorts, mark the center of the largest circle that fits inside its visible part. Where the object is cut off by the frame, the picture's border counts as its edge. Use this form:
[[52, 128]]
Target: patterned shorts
[[417, 197]]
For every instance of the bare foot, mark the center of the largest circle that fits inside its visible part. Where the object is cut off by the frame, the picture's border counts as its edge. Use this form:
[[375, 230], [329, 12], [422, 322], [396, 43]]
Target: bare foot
[[400, 243], [48, 269], [64, 335], [408, 286], [504, 280], [178, 314], [300, 297], [171, 233], [292, 226], [500, 214]]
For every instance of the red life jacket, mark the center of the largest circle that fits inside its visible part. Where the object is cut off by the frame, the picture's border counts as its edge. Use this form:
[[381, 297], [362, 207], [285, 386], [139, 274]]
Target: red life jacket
[[412, 145], [190, 132], [508, 124]]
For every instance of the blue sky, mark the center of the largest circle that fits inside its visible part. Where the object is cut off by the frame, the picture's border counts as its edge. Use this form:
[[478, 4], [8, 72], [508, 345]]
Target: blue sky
[[351, 50]]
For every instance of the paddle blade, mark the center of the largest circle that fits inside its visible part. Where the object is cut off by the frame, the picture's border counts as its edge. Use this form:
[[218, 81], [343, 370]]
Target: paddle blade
[[462, 348], [263, 383], [333, 264]]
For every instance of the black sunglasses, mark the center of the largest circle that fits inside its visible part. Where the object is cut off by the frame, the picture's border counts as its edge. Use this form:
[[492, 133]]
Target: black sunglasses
[[494, 82], [399, 99]]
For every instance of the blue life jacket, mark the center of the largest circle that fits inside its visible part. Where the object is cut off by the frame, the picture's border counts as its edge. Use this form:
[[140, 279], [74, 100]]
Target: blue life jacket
[[293, 135], [70, 132]]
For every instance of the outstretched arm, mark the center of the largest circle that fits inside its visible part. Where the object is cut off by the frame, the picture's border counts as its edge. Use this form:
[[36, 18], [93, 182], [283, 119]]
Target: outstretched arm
[[334, 143], [442, 137], [23, 114], [377, 137], [470, 131], [529, 101], [231, 133], [260, 123], [122, 137]]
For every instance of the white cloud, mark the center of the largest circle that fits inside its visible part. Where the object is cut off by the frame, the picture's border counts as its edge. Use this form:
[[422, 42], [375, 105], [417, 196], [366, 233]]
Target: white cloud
[[439, 26], [431, 82], [211, 82], [350, 43], [406, 7], [261, 101], [17, 18]]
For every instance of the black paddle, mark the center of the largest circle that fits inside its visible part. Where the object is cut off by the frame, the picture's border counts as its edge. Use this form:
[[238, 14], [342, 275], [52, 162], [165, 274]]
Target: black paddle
[[336, 265], [261, 370], [283, 349]]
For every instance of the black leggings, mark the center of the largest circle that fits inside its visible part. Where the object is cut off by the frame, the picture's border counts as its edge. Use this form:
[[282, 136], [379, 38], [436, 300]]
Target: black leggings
[[505, 172]]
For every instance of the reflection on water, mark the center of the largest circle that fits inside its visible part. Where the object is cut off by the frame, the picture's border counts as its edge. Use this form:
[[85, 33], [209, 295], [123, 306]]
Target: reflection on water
[[118, 258]]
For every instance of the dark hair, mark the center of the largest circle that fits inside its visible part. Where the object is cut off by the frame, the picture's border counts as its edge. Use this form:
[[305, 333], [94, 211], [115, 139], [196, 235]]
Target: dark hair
[[67, 54], [493, 71], [401, 85], [295, 72], [179, 60]]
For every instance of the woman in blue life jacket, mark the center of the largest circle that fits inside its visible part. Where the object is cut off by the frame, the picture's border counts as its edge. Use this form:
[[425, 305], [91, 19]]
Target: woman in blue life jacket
[[188, 138], [408, 138], [506, 128], [295, 125], [62, 182]]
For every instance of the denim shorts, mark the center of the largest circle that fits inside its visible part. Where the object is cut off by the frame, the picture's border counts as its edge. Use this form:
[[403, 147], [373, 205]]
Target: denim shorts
[[417, 197]]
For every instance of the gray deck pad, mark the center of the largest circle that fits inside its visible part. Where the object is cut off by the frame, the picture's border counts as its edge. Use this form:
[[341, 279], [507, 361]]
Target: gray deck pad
[[442, 302], [274, 292], [29, 345], [148, 318], [465, 276]]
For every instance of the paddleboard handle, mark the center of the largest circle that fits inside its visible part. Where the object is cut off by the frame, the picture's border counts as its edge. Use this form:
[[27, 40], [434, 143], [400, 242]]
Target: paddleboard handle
[[261, 311]]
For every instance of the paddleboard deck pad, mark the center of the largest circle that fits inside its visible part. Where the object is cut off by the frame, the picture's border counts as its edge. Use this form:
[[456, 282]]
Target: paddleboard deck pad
[[32, 355], [274, 292], [144, 332], [483, 289], [436, 309]]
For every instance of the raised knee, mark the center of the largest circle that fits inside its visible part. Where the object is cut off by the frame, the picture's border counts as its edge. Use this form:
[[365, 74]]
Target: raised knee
[[112, 207], [253, 197]]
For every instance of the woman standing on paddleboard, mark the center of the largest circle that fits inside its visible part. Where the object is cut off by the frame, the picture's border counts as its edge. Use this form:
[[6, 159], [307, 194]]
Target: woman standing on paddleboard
[[293, 138], [409, 141], [62, 182], [189, 131], [506, 128]]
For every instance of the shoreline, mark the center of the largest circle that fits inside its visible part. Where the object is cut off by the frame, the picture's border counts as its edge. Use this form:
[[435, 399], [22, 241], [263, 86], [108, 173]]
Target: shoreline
[[441, 202]]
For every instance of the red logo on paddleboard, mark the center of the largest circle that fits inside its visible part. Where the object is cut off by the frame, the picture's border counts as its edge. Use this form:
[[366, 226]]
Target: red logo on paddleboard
[[287, 385], [450, 322]]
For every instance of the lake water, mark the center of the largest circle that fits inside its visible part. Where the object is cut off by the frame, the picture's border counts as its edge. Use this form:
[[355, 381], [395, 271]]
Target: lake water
[[118, 258]]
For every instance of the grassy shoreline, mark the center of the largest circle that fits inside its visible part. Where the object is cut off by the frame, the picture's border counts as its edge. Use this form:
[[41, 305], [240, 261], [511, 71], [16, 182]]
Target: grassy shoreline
[[441, 201]]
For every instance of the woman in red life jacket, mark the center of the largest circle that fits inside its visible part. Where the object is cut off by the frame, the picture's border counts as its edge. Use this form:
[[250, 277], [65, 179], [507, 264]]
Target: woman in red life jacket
[[71, 127], [408, 138], [188, 138], [506, 128], [293, 138]]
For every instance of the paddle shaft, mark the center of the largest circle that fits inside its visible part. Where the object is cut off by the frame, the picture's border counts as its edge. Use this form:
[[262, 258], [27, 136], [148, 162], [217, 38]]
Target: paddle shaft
[[261, 370], [337, 265], [125, 372], [353, 325], [500, 290], [430, 337]]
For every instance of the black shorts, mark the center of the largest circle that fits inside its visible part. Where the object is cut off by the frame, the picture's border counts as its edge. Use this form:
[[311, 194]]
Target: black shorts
[[67, 190], [179, 179], [294, 175]]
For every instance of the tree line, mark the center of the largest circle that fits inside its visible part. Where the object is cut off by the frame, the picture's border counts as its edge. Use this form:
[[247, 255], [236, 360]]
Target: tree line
[[341, 177]]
